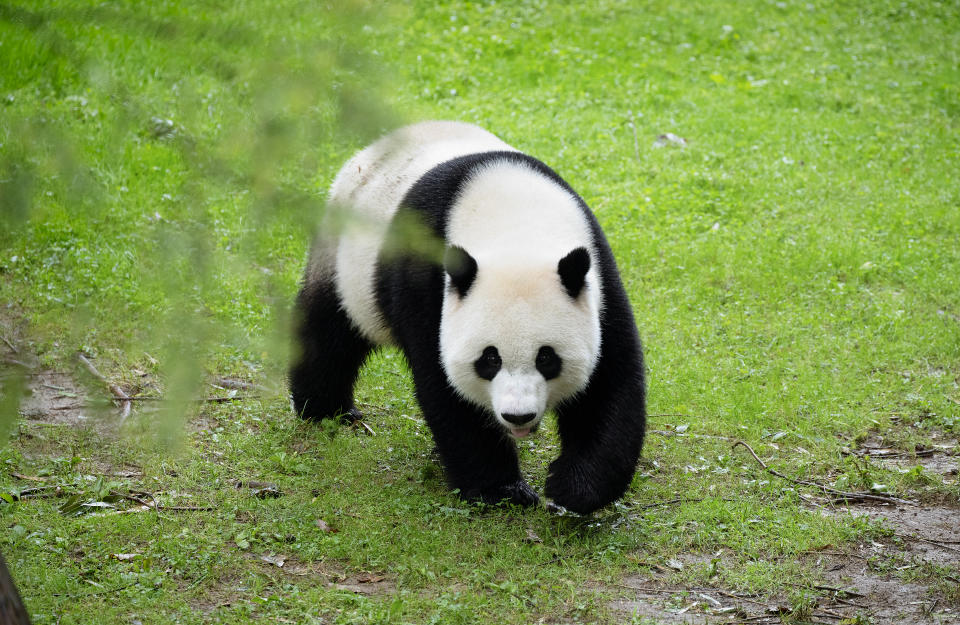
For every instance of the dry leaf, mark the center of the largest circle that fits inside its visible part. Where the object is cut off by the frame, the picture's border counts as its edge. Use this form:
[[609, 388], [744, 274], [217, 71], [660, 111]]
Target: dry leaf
[[324, 527], [532, 537], [277, 561], [367, 578]]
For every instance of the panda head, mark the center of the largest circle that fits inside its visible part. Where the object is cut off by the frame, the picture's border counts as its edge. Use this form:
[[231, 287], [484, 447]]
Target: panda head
[[517, 338]]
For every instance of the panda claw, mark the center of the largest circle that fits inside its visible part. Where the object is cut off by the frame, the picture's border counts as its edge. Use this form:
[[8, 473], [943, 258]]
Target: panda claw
[[518, 493], [349, 417]]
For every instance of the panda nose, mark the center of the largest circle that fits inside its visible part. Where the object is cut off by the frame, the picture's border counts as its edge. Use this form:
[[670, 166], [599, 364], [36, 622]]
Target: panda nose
[[519, 419]]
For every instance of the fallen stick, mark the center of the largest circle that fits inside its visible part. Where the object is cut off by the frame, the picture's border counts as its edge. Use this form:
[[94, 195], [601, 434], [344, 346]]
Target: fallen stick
[[216, 400], [12, 347], [155, 505], [118, 392], [942, 544], [845, 495]]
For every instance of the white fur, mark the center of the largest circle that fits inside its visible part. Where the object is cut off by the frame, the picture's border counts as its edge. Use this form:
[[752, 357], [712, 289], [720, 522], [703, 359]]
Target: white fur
[[518, 224], [369, 189]]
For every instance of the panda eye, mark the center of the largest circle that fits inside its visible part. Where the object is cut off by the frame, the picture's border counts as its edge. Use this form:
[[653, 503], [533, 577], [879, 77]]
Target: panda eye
[[548, 363], [488, 364]]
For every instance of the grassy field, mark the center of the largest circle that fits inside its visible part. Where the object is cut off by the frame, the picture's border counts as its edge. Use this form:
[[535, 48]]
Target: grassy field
[[792, 257]]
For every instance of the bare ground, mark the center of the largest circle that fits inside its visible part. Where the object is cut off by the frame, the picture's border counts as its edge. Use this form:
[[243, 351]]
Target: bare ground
[[886, 582]]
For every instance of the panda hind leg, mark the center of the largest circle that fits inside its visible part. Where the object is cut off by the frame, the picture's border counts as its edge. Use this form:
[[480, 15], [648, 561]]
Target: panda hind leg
[[330, 352]]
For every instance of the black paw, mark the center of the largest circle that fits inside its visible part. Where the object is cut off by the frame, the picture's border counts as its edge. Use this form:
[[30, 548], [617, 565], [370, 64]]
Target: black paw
[[306, 411], [349, 417], [518, 493], [569, 488]]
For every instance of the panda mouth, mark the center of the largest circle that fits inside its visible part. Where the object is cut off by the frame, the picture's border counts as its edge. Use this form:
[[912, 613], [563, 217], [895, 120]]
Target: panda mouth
[[523, 432]]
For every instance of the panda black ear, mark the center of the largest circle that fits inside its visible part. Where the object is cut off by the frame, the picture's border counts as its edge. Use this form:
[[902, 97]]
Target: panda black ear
[[573, 270], [461, 267]]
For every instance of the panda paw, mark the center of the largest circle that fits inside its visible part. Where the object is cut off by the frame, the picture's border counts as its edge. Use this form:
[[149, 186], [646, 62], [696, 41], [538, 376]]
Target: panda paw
[[518, 493], [349, 417], [570, 490]]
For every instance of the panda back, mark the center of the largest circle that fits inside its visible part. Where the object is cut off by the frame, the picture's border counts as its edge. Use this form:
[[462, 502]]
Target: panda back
[[364, 197]]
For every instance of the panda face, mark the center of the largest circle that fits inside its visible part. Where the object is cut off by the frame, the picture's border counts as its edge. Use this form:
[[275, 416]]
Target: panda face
[[517, 343]]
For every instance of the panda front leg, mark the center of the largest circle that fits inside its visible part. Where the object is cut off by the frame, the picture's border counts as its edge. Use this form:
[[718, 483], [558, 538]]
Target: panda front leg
[[601, 434], [331, 352], [479, 459]]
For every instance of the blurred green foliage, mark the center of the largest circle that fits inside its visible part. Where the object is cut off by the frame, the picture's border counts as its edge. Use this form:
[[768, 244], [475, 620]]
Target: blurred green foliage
[[154, 160]]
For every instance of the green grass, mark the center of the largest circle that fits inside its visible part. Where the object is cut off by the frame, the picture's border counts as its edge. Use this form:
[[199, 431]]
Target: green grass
[[793, 271]]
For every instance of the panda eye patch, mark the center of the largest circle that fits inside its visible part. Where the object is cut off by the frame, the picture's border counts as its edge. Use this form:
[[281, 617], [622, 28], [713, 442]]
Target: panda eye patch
[[489, 363], [548, 363]]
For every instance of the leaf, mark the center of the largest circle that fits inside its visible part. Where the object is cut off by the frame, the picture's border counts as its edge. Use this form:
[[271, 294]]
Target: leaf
[[367, 578], [324, 527], [277, 561], [97, 504], [670, 139], [32, 478], [72, 506]]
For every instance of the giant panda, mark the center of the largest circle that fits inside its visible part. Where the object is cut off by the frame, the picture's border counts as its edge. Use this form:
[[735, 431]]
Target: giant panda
[[495, 280]]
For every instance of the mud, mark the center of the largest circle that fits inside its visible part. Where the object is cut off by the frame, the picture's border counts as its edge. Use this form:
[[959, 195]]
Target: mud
[[884, 582]]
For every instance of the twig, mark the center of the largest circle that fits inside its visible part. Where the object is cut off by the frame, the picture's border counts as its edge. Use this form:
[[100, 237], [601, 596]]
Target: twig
[[888, 455], [118, 392], [215, 400], [39, 492], [669, 433], [834, 553], [360, 423], [941, 544], [730, 595], [670, 502], [830, 589], [12, 347], [845, 495], [656, 591], [155, 505], [95, 592]]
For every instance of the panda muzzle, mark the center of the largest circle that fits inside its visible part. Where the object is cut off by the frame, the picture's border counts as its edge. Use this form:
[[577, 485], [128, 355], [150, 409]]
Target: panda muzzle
[[519, 419]]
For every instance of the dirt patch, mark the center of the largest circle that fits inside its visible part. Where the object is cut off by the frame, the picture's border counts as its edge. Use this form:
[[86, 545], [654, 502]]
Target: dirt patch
[[939, 455], [55, 398], [895, 580], [331, 574], [232, 590], [50, 397], [928, 534]]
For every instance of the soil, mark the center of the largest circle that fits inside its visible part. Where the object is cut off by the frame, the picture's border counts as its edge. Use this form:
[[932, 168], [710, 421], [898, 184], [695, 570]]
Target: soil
[[51, 397], [887, 582]]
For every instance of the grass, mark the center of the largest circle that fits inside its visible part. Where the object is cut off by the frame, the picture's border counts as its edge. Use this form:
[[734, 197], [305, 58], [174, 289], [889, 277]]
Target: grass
[[792, 269]]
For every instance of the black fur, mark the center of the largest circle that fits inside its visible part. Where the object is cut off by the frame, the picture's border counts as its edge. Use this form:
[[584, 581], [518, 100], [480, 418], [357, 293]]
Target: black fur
[[461, 267], [601, 429], [573, 270], [488, 364], [548, 363], [331, 352]]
